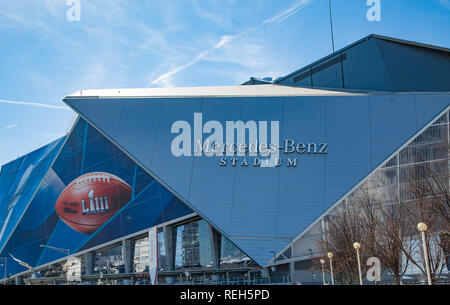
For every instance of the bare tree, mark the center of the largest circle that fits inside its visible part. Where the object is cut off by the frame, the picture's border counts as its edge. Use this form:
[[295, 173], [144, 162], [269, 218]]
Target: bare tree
[[344, 229], [439, 190], [386, 230], [421, 208]]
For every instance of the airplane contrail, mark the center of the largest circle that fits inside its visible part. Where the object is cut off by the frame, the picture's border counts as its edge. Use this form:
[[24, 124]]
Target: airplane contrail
[[10, 126], [299, 5], [35, 104]]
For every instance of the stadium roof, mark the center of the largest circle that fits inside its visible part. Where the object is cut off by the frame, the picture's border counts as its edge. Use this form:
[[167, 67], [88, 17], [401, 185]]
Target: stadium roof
[[386, 38], [223, 91]]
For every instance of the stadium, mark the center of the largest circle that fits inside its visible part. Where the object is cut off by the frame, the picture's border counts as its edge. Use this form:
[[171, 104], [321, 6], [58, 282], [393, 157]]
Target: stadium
[[223, 185]]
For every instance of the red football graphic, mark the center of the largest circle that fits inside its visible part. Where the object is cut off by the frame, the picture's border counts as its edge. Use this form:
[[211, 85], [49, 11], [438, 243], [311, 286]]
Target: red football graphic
[[90, 200]]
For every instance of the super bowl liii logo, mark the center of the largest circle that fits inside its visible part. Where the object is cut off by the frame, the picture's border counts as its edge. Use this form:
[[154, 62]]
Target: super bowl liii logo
[[239, 143]]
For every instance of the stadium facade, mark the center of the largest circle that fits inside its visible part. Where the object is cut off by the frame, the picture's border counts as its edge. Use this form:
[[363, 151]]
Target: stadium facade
[[224, 210]]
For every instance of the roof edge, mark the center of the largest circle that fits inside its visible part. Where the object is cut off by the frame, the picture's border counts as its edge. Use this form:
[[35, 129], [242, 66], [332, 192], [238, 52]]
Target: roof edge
[[266, 90]]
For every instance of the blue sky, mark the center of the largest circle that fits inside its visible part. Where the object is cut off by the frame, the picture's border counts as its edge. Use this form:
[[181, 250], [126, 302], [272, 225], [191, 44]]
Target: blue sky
[[162, 43]]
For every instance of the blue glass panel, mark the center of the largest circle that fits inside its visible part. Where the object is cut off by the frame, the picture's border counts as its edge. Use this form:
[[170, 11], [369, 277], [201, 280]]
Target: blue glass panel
[[86, 151], [24, 185]]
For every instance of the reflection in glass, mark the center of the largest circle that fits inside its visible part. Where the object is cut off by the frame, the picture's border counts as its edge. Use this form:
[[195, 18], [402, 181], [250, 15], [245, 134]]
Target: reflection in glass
[[109, 261], [193, 246], [231, 256], [140, 255], [162, 255]]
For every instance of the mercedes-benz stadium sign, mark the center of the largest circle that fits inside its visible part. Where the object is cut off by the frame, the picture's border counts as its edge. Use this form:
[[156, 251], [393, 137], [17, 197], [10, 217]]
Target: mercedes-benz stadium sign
[[234, 147]]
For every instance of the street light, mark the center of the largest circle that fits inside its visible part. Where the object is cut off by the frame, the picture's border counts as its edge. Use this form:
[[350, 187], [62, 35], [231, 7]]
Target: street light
[[357, 246], [422, 227], [330, 256], [322, 262]]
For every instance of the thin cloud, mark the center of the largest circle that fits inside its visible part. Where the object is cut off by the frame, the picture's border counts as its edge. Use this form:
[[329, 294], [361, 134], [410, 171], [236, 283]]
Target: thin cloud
[[10, 126], [445, 3], [215, 18], [226, 39], [35, 105], [164, 78], [289, 12]]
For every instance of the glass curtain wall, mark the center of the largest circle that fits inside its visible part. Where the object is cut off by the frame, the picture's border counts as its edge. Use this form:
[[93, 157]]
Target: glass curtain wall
[[390, 182]]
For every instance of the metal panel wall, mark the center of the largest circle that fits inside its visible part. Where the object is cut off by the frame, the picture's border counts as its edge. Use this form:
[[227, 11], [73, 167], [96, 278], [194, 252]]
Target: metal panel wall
[[262, 209], [379, 65], [415, 69]]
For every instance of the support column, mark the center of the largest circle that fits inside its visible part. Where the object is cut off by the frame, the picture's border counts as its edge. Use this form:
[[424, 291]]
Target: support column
[[127, 256], [127, 259], [292, 272], [265, 273], [18, 280], [168, 244], [170, 251], [89, 263]]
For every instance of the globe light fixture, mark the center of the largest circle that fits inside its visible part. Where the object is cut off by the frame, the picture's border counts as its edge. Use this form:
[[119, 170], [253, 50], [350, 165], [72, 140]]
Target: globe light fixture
[[357, 246], [422, 227], [322, 262], [330, 256]]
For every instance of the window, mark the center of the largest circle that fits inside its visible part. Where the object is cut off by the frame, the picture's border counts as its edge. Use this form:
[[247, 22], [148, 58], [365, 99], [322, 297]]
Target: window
[[140, 255], [193, 246], [109, 261]]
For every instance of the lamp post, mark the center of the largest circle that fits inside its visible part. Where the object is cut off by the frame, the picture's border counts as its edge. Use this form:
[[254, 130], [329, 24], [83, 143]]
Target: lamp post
[[5, 260], [330, 256], [357, 246], [422, 227], [322, 262]]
